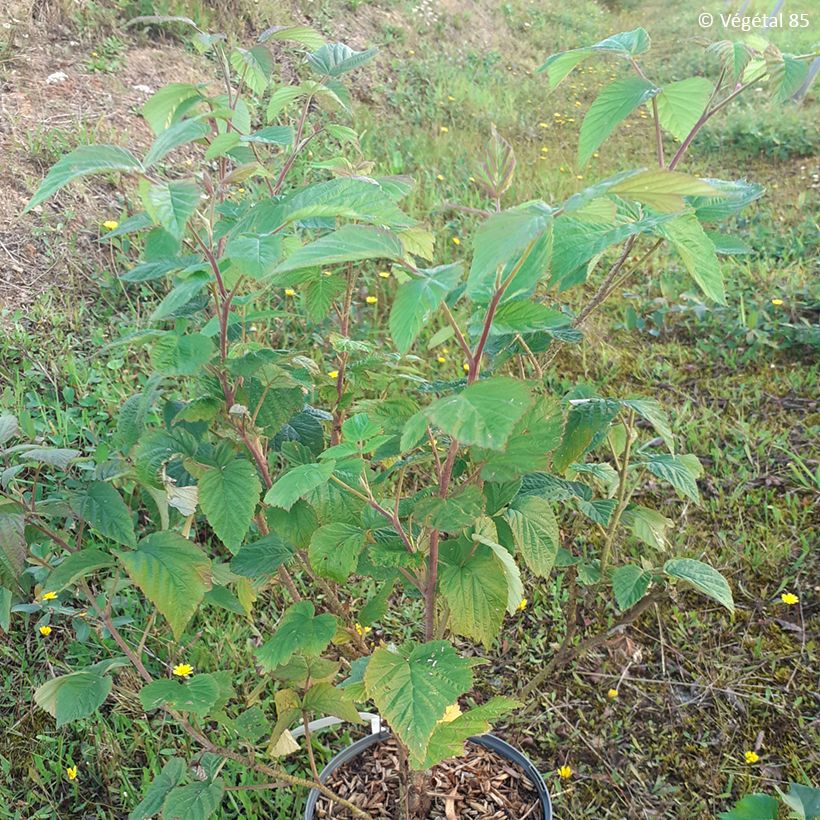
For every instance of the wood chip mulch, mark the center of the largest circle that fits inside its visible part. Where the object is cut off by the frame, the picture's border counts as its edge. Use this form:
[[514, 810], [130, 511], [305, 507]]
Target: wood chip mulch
[[480, 786]]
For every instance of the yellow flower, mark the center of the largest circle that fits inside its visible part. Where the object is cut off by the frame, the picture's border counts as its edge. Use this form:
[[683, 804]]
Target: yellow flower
[[451, 99], [751, 757], [777, 302], [565, 772], [384, 274], [451, 713], [411, 52], [465, 367], [49, 596], [327, 273], [579, 176], [361, 630], [71, 772], [442, 359], [371, 300], [183, 670], [543, 125], [240, 190], [523, 605], [439, 177], [455, 240], [789, 598], [444, 129], [544, 149], [290, 292], [612, 694], [334, 374], [110, 224], [45, 631], [471, 179]]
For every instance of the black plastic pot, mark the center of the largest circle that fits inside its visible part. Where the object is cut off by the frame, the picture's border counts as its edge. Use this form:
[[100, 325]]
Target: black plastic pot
[[488, 741]]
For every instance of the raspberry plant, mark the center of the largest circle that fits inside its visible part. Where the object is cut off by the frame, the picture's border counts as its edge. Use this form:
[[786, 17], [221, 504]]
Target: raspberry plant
[[243, 476]]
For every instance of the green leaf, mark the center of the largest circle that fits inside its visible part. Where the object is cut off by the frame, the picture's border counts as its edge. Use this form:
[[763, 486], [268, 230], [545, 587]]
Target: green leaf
[[752, 807], [624, 44], [178, 134], [13, 549], [662, 190], [629, 585], [483, 414], [345, 198], [472, 583], [731, 197], [197, 694], [172, 572], [221, 144], [703, 578], [73, 696], [228, 496], [587, 423], [613, 104], [174, 355], [9, 427], [281, 99], [803, 800], [252, 724], [170, 103], [680, 471], [299, 34], [298, 482], [335, 549], [299, 631], [526, 317], [187, 289], [681, 104], [253, 255], [687, 237], [195, 802], [412, 688], [727, 245], [501, 241], [59, 457], [650, 410], [77, 565], [171, 204], [535, 532], [158, 789], [417, 299], [512, 574], [253, 66], [351, 243], [786, 75], [261, 558], [335, 59], [82, 161], [735, 56], [648, 525], [325, 699], [448, 737], [454, 513], [376, 608], [272, 135], [102, 507], [5, 609]]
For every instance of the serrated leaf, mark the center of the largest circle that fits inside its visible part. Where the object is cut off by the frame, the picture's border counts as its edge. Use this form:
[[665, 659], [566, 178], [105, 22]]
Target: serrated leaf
[[9, 427], [662, 190], [299, 34], [253, 67], [648, 525], [77, 565], [351, 243], [197, 694], [158, 789], [629, 585], [253, 255], [325, 699], [732, 197], [680, 471], [102, 507], [335, 549], [298, 482], [417, 299], [299, 631], [335, 59], [261, 558], [483, 414], [169, 103], [753, 807], [173, 574], [454, 513], [614, 103], [73, 696], [228, 496], [681, 104], [179, 133], [535, 532], [412, 688], [702, 577], [651, 410], [13, 547], [171, 204], [83, 161], [195, 802], [587, 422], [174, 355]]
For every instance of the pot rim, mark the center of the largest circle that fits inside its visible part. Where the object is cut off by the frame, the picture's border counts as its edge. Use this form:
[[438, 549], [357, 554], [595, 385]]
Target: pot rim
[[489, 741]]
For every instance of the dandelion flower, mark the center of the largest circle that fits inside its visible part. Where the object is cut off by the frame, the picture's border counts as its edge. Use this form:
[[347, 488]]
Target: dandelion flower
[[384, 274], [444, 129], [334, 374], [456, 241], [751, 757], [612, 694], [371, 300], [789, 598], [45, 631], [361, 630], [777, 302], [71, 772], [111, 224], [522, 606], [290, 292], [565, 772], [49, 596], [183, 670]]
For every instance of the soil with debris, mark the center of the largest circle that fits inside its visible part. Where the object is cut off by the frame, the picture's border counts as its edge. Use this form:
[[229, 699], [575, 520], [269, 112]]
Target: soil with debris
[[483, 785]]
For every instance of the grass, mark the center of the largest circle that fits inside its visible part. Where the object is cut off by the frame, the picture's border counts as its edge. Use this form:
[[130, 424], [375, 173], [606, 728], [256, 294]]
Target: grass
[[696, 687]]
